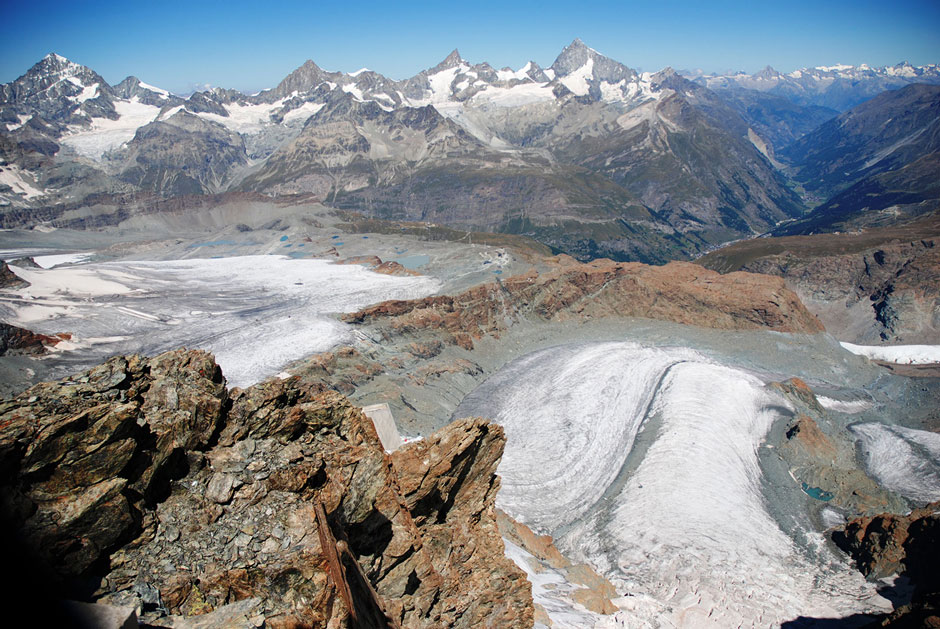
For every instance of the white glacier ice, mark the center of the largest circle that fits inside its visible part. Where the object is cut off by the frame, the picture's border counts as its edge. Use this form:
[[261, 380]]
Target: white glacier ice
[[902, 459], [644, 462], [105, 134], [255, 313], [901, 354]]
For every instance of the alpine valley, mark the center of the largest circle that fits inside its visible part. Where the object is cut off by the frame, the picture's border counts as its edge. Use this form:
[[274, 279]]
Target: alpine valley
[[565, 346]]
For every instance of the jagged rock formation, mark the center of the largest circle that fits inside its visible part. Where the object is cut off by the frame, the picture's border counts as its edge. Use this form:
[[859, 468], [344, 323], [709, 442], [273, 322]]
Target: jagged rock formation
[[887, 544], [146, 482]]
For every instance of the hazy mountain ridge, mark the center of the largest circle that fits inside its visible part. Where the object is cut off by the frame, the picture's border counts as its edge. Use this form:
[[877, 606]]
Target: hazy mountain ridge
[[838, 87]]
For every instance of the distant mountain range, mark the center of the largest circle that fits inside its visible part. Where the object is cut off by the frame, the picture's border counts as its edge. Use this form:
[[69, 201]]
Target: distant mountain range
[[588, 155], [839, 87]]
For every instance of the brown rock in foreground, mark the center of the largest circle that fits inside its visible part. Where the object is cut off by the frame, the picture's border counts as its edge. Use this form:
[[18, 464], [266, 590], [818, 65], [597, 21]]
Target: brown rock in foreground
[[143, 482], [449, 484], [679, 292], [909, 544]]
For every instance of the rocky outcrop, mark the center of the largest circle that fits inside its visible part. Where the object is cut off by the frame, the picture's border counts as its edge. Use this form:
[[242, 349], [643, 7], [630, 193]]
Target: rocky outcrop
[[449, 485], [17, 340], [679, 292], [882, 285], [909, 544], [144, 482], [820, 454], [375, 263], [9, 279]]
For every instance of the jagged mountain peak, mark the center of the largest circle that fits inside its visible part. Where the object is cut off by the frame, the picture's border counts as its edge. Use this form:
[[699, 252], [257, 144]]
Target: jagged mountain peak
[[56, 64], [452, 60], [768, 72], [583, 70], [303, 79]]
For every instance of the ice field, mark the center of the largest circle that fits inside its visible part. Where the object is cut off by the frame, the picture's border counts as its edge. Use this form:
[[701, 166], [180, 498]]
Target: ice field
[[644, 462], [255, 313]]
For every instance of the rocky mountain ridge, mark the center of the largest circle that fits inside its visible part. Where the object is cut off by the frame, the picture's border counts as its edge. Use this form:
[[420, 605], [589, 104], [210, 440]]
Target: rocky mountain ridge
[[588, 155], [146, 483]]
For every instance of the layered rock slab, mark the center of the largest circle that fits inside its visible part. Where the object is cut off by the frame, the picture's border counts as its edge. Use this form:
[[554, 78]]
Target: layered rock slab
[[679, 292]]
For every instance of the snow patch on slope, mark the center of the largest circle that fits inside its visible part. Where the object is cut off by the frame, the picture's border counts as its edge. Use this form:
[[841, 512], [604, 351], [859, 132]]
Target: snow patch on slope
[[900, 354], [577, 81], [105, 135], [19, 180], [515, 96]]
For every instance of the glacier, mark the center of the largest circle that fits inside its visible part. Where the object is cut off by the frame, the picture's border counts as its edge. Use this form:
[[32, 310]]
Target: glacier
[[255, 313], [644, 462], [905, 460]]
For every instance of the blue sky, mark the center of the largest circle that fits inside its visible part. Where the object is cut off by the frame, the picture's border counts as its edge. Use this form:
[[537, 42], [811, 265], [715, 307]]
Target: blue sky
[[252, 45]]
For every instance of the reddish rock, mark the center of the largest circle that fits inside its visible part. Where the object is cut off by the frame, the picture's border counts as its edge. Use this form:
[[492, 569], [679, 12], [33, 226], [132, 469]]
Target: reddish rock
[[16, 340], [909, 544], [449, 485], [679, 292], [148, 477]]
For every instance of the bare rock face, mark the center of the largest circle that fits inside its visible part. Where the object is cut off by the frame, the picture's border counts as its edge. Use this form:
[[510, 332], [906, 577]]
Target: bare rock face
[[882, 285], [679, 292], [82, 457], [9, 279], [886, 544], [449, 484], [145, 483]]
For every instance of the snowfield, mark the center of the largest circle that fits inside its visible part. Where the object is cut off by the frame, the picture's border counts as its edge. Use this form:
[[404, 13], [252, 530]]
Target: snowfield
[[644, 462], [105, 135], [255, 313], [900, 354]]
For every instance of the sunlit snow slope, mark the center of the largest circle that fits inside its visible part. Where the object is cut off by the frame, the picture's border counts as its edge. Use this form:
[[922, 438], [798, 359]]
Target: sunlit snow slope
[[644, 461]]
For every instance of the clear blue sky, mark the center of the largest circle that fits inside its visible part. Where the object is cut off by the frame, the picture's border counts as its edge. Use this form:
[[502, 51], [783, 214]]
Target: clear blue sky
[[252, 45]]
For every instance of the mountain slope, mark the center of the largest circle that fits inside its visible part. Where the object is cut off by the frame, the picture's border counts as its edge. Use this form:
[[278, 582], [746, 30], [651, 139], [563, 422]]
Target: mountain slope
[[588, 155], [881, 135]]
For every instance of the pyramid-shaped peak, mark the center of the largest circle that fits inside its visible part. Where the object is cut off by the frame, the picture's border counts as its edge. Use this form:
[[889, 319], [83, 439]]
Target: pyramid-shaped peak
[[577, 55], [452, 60], [56, 62], [53, 56], [768, 71]]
